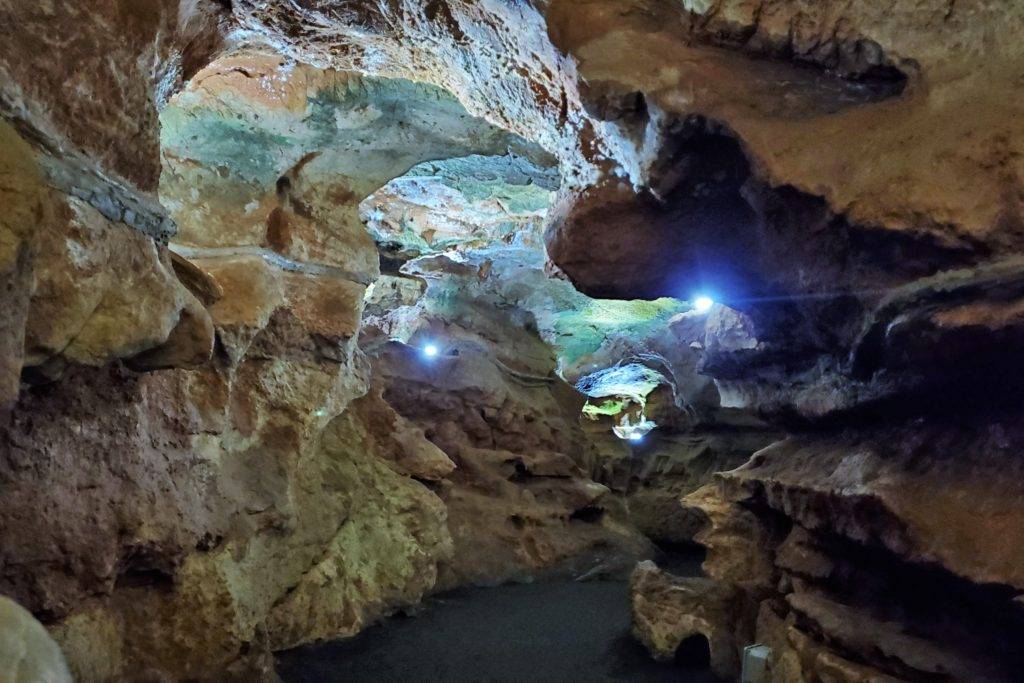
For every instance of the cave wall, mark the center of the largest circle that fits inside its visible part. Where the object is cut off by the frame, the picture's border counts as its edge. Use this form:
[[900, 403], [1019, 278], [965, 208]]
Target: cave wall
[[169, 521], [197, 467], [866, 319]]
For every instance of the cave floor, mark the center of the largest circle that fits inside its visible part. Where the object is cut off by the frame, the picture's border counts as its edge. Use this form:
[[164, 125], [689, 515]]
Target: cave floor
[[545, 631]]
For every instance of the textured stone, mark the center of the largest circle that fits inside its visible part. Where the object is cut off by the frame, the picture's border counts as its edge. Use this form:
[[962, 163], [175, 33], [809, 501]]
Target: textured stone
[[26, 203], [668, 609], [101, 101], [789, 116], [327, 140], [467, 48], [104, 291], [863, 488], [519, 504], [674, 466], [844, 545], [27, 652]]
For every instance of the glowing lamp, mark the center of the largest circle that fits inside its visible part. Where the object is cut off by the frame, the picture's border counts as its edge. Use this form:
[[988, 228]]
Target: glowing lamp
[[703, 304], [431, 351], [636, 437]]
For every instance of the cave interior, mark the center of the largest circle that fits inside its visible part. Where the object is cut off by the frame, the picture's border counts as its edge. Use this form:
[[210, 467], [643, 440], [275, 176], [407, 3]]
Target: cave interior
[[459, 340]]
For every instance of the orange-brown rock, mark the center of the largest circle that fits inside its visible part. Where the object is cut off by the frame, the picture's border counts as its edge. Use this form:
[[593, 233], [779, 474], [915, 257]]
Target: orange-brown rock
[[92, 77], [669, 609], [200, 465], [106, 291], [519, 502]]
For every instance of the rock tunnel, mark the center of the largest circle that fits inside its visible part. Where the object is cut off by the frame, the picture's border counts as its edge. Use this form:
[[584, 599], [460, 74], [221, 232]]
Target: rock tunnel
[[459, 340]]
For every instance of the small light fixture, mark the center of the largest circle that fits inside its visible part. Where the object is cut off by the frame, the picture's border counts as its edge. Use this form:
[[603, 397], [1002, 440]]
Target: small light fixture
[[703, 304], [636, 437], [431, 351]]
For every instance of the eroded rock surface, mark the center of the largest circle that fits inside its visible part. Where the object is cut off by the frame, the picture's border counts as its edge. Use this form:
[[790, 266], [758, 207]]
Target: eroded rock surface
[[829, 534], [520, 503], [668, 609]]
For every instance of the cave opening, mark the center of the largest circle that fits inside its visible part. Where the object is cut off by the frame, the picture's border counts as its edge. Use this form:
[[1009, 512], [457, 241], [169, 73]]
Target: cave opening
[[694, 652], [454, 340]]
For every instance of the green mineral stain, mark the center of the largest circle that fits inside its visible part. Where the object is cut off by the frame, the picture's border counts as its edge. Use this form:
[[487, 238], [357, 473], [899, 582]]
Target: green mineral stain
[[582, 331], [606, 407]]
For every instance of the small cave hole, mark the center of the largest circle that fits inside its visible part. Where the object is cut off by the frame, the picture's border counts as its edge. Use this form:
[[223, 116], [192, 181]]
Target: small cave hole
[[591, 514], [694, 652], [209, 542], [522, 472], [284, 187], [145, 578]]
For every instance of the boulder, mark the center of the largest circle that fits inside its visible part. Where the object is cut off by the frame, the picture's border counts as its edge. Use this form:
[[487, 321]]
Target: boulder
[[27, 652], [669, 609]]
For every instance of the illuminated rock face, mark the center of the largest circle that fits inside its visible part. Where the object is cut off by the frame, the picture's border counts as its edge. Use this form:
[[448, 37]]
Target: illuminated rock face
[[220, 438], [27, 651]]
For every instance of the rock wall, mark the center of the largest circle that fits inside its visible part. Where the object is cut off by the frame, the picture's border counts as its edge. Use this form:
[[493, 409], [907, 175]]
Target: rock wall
[[520, 503], [197, 469], [843, 546], [186, 515], [831, 173]]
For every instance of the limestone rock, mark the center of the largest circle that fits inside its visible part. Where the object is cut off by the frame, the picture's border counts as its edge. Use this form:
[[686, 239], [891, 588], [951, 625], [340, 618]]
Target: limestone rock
[[26, 203], [235, 448], [674, 467], [738, 542], [474, 201], [384, 555], [844, 550], [863, 489], [464, 47], [105, 291], [795, 125], [519, 504], [27, 652], [102, 101], [318, 128], [668, 609], [393, 438]]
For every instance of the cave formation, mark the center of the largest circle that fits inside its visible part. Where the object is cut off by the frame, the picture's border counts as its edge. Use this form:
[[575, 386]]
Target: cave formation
[[318, 310]]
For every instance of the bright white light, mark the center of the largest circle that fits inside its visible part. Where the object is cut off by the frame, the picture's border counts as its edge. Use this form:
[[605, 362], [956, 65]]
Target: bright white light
[[636, 437], [430, 350], [703, 304]]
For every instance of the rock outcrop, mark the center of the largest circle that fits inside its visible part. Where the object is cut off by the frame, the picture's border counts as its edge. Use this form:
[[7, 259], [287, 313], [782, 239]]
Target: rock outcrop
[[845, 545], [520, 504], [668, 609]]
